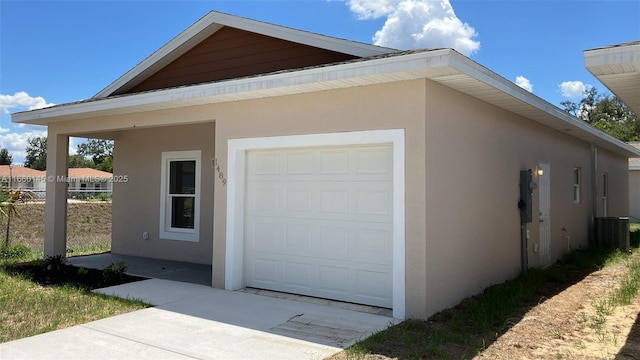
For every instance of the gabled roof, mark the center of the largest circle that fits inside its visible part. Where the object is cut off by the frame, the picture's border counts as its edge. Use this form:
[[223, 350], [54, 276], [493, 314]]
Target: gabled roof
[[215, 21], [381, 65], [444, 66], [618, 68]]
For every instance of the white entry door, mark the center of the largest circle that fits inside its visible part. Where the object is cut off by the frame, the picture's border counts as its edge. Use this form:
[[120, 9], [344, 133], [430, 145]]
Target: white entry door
[[319, 222], [544, 219]]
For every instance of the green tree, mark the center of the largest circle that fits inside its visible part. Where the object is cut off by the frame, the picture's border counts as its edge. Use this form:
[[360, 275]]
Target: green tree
[[5, 157], [607, 113], [79, 161], [36, 153], [100, 151]]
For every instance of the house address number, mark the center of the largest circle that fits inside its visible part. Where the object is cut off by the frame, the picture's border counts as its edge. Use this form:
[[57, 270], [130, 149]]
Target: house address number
[[221, 176]]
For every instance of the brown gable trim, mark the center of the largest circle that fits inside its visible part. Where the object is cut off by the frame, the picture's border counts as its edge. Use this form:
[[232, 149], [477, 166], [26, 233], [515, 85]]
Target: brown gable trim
[[233, 53]]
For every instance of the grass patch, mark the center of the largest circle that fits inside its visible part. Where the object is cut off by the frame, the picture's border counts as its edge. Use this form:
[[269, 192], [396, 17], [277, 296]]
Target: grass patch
[[27, 308], [470, 327]]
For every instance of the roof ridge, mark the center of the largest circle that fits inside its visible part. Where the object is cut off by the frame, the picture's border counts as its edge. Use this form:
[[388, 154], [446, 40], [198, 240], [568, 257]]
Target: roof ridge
[[214, 21]]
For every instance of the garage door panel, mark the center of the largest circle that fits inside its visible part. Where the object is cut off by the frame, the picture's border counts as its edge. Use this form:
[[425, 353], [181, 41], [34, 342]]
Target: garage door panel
[[263, 235], [333, 162], [299, 199], [298, 163], [374, 161], [265, 270], [265, 163], [321, 223], [298, 274], [299, 237], [374, 284], [361, 201], [266, 198]]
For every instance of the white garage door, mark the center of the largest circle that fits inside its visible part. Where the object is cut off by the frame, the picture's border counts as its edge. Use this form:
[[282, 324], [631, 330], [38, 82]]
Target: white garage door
[[319, 222]]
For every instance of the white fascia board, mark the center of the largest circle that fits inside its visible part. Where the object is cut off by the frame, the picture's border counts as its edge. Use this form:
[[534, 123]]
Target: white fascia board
[[299, 36], [394, 68], [214, 21], [428, 64], [603, 61]]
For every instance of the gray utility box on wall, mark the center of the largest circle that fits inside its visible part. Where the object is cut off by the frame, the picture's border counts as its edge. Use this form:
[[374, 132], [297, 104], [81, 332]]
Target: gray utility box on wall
[[612, 231]]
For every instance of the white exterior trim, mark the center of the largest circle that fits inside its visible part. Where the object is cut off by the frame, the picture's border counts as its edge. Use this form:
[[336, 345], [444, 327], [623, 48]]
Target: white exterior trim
[[214, 21], [166, 232], [237, 149]]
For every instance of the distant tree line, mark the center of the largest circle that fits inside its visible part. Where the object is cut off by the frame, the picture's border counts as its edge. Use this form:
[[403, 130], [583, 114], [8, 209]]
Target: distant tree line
[[607, 113], [95, 153]]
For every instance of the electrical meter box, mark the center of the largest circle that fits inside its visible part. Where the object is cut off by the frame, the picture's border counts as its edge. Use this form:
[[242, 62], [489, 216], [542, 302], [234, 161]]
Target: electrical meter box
[[526, 190]]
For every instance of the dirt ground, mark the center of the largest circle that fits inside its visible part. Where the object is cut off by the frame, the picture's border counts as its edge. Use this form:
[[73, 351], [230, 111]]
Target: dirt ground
[[566, 325], [87, 224]]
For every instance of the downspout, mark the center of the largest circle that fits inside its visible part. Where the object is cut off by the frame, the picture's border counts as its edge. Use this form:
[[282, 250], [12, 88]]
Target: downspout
[[594, 194]]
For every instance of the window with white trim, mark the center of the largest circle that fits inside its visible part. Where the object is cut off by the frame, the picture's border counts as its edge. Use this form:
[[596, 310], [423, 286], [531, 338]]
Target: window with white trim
[[576, 184], [180, 196]]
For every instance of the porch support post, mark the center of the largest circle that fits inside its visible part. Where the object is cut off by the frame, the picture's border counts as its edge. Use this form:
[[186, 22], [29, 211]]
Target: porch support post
[[55, 227]]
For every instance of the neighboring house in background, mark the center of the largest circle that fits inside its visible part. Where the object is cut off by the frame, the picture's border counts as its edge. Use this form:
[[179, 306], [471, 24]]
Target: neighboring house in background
[[23, 178], [89, 180], [307, 164], [618, 68]]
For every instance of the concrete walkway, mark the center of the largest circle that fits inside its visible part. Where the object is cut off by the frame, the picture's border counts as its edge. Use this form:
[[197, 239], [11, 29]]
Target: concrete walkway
[[191, 321]]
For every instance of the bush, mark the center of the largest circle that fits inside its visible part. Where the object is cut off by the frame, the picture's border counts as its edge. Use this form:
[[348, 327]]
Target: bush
[[14, 252]]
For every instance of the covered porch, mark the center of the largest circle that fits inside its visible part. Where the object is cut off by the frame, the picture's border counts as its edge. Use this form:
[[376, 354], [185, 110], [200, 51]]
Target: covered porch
[[149, 268]]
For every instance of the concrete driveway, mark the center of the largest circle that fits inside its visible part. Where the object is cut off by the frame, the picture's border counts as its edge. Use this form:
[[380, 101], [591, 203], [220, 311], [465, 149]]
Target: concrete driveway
[[191, 321]]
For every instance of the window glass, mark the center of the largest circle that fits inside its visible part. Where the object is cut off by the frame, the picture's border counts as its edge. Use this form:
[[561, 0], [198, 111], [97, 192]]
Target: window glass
[[182, 178], [182, 212]]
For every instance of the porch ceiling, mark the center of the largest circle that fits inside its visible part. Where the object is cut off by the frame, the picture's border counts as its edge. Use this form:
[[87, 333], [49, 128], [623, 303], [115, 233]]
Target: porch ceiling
[[444, 66]]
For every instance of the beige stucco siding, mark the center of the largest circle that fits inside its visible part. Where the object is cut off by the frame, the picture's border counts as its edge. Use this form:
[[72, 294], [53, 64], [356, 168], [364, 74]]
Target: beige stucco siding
[[617, 168], [393, 106], [634, 194], [136, 203], [474, 152], [461, 179]]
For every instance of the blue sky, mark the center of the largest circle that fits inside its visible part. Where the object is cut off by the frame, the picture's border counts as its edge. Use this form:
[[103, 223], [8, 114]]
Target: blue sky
[[54, 52]]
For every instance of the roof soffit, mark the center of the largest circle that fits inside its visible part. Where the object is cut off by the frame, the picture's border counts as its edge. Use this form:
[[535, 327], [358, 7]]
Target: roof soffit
[[618, 68]]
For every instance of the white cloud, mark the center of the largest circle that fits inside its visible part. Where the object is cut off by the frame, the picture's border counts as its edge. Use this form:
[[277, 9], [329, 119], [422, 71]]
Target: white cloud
[[17, 142], [21, 101], [572, 89], [416, 24], [372, 9], [524, 83]]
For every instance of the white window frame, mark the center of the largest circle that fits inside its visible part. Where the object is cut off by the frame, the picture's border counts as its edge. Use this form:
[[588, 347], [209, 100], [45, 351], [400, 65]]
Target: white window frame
[[577, 185], [166, 231]]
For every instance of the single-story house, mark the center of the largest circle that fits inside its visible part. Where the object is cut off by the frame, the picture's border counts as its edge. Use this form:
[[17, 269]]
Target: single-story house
[[307, 164], [618, 68], [20, 177], [89, 180]]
